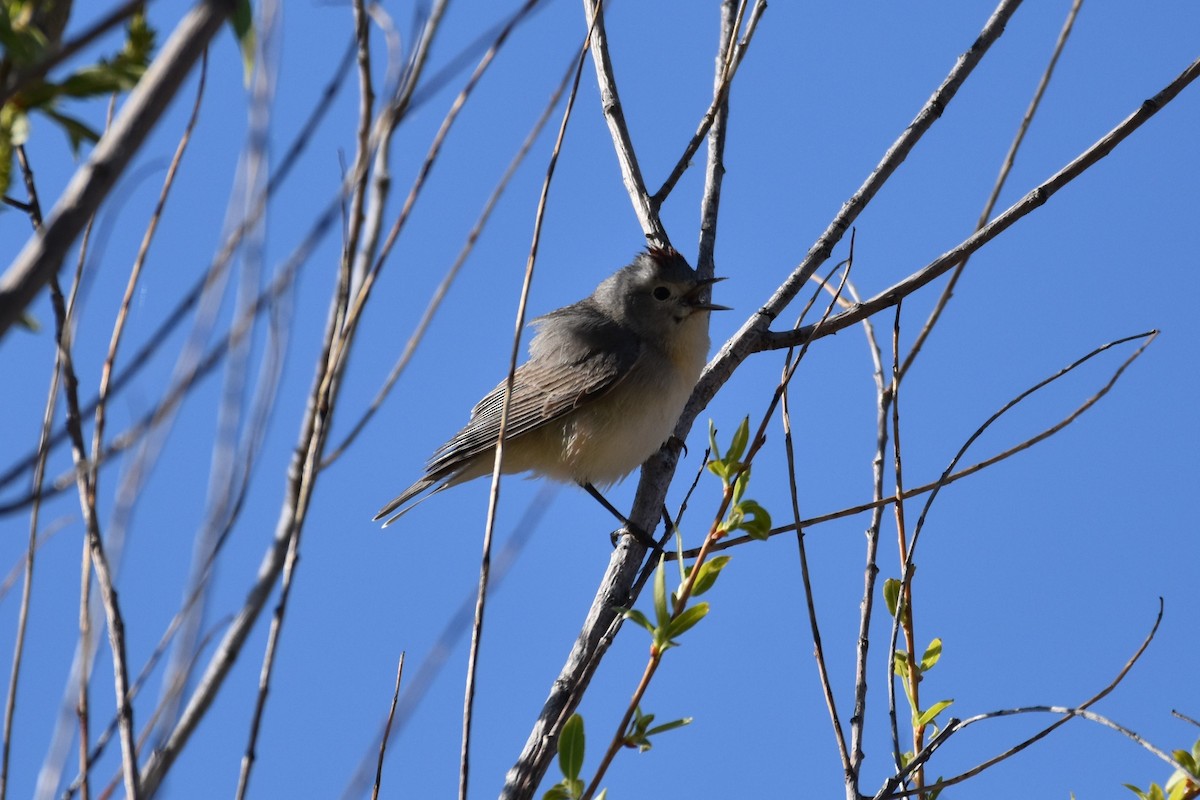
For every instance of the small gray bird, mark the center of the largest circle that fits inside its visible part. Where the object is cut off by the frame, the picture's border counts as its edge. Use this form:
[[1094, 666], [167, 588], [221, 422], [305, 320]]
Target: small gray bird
[[605, 383]]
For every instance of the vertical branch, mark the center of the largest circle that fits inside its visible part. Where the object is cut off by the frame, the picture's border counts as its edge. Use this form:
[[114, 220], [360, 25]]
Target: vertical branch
[[904, 610], [871, 572], [95, 546], [494, 492], [617, 586], [43, 452]]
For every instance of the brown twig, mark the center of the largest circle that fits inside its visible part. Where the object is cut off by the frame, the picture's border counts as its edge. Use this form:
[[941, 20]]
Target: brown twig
[[904, 611]]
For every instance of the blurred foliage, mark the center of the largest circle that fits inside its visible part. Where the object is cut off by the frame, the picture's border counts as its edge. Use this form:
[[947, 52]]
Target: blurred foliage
[[31, 33]]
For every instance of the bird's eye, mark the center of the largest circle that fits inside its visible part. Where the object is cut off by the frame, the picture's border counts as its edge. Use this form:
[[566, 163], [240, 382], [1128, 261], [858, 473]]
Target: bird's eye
[[661, 293]]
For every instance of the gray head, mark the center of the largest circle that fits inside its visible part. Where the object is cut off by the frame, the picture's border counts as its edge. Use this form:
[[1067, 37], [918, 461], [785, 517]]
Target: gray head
[[655, 293]]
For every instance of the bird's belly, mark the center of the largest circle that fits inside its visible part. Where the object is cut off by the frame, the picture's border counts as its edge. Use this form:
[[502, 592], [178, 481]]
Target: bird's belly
[[606, 439]]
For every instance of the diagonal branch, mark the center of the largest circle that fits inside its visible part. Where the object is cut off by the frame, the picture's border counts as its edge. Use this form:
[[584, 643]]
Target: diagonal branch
[[1035, 198]]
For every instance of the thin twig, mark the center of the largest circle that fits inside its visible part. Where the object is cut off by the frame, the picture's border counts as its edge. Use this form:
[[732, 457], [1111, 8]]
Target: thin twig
[[43, 451], [1034, 199], [610, 102], [448, 279], [810, 600], [725, 80], [387, 729], [890, 785], [1185, 717], [494, 492], [966, 471], [904, 602], [1005, 168], [99, 562]]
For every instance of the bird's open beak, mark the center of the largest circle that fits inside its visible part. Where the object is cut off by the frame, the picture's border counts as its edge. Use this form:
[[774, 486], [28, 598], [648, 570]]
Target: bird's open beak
[[693, 300]]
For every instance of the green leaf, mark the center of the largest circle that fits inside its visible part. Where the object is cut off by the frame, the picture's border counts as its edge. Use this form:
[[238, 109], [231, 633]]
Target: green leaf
[[931, 712], [1135, 790], [709, 571], [686, 620], [662, 616], [669, 726], [634, 615], [741, 437], [755, 520], [566, 789], [900, 663], [242, 23], [712, 441], [603, 795], [77, 132], [716, 468], [932, 654], [570, 748], [1185, 760], [891, 595]]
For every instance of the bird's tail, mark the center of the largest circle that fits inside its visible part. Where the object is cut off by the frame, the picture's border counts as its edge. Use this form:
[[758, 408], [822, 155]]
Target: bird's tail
[[404, 497]]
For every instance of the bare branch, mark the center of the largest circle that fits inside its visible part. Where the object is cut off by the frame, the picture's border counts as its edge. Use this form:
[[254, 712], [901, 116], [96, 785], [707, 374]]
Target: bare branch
[[610, 101], [387, 729], [1035, 198], [1005, 168]]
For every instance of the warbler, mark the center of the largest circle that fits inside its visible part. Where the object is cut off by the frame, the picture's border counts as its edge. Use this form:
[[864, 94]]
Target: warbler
[[605, 383]]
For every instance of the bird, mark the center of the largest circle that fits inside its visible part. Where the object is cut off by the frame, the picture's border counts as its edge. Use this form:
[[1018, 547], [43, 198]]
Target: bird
[[606, 380]]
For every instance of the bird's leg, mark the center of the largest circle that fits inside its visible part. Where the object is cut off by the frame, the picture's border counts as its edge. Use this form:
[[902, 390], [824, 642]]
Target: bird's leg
[[644, 538]]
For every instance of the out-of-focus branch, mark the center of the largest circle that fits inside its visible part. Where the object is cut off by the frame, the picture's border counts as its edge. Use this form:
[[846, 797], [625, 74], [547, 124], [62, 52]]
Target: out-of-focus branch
[[43, 254]]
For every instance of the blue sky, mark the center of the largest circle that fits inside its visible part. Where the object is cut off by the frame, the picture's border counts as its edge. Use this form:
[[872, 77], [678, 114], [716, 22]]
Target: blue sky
[[1041, 575]]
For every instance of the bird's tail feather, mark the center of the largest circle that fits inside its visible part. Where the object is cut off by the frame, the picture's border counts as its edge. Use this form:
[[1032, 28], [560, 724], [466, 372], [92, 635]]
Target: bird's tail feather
[[404, 497]]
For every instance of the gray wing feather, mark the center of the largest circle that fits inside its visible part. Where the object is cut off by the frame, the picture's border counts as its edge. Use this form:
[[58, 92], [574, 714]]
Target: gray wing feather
[[565, 371], [570, 364]]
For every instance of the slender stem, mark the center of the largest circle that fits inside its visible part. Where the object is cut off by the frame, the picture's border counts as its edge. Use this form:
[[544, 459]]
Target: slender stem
[[1005, 168]]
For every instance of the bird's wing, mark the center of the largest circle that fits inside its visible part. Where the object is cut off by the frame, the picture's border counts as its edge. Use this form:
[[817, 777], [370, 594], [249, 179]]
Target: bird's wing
[[549, 385]]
